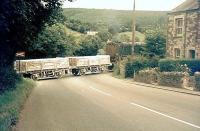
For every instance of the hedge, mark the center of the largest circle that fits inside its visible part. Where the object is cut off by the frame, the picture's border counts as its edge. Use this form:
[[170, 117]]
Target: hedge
[[169, 65], [149, 76], [132, 66], [172, 79], [11, 103], [197, 79]]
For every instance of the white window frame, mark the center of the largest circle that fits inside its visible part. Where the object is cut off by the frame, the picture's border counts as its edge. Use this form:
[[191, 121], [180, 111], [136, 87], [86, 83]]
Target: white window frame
[[176, 27]]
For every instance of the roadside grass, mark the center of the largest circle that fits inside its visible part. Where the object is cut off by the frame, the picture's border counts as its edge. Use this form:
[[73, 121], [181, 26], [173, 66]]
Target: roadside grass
[[11, 103]]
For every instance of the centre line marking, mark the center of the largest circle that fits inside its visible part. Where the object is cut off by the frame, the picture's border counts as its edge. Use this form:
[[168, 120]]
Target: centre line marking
[[97, 90], [173, 118]]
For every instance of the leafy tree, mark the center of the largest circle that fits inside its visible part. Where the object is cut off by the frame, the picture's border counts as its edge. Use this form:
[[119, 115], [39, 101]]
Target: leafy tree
[[90, 46], [53, 41], [20, 22], [114, 28], [156, 43], [105, 35]]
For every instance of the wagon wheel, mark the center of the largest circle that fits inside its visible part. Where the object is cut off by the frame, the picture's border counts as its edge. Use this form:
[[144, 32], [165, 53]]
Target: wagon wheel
[[34, 77]]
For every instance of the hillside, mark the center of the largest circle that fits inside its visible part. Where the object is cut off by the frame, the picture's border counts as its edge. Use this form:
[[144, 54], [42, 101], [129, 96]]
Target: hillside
[[104, 18], [139, 35]]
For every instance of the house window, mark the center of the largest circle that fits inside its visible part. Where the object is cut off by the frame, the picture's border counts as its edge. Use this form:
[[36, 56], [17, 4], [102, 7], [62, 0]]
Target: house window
[[192, 54], [177, 52], [179, 26]]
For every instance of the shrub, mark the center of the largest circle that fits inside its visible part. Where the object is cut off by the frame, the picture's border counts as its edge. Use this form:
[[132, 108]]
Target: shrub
[[11, 103], [172, 79], [197, 79], [125, 49], [148, 76], [169, 65]]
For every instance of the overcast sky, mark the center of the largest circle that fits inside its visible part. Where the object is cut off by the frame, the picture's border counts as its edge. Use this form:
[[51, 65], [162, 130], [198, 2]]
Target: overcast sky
[[163, 5]]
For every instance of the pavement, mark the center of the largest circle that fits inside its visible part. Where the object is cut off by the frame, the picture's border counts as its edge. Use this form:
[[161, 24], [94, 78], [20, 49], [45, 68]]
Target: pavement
[[104, 103], [189, 91]]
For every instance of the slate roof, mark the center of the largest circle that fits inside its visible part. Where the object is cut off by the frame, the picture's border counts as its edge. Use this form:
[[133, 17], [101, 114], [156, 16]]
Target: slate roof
[[187, 6]]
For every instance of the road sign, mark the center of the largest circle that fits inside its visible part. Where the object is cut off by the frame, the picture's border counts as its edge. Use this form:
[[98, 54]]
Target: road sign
[[20, 54]]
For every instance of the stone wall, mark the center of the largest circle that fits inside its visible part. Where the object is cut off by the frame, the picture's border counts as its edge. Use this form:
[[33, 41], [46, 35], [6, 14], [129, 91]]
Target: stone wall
[[191, 34]]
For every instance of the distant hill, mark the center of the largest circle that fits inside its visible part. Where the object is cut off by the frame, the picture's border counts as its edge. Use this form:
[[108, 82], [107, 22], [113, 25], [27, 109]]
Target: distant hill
[[104, 18]]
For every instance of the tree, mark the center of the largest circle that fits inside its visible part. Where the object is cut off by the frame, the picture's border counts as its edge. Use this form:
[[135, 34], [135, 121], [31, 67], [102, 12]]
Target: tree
[[90, 46], [20, 22], [156, 43], [105, 35], [53, 41]]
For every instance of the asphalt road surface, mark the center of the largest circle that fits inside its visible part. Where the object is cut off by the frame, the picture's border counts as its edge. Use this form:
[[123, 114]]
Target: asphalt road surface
[[103, 103]]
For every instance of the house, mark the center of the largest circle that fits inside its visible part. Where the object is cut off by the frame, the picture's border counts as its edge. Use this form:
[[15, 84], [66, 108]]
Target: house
[[92, 33], [183, 36]]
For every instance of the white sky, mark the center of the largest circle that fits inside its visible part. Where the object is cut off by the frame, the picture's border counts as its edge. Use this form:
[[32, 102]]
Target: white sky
[[159, 5]]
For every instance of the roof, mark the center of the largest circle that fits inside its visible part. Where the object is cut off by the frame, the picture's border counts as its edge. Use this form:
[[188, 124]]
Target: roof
[[187, 6]]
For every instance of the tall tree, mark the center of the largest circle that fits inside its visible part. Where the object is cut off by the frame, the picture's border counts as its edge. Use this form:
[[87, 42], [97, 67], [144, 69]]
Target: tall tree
[[20, 22], [156, 43]]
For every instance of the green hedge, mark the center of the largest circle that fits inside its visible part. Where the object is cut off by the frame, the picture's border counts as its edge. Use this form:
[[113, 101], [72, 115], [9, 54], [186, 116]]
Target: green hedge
[[149, 76], [132, 66], [172, 79], [11, 103], [169, 65]]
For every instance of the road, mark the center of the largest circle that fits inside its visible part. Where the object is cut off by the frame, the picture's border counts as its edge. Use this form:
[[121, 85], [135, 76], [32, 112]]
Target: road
[[103, 103]]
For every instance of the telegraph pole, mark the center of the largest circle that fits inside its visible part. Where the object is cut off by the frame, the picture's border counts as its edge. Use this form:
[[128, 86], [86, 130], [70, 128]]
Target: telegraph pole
[[133, 28]]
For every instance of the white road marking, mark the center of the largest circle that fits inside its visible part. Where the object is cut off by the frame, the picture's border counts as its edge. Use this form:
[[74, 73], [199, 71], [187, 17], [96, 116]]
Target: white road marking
[[173, 118], [97, 90]]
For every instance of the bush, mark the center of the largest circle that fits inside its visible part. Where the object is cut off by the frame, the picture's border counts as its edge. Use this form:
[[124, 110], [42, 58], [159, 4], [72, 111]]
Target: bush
[[11, 103], [8, 79], [148, 76], [169, 65], [172, 79], [132, 66], [125, 49], [197, 79]]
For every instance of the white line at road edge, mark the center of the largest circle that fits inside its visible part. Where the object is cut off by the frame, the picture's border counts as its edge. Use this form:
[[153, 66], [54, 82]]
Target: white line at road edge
[[97, 90], [187, 123]]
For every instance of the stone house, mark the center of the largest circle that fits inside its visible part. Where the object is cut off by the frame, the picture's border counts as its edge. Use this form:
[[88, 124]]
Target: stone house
[[183, 35]]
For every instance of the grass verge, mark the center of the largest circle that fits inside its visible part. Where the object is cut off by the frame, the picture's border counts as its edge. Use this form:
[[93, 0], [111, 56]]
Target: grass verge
[[11, 103]]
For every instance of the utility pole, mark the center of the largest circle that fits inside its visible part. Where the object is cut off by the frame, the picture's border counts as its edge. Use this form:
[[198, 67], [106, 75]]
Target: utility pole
[[133, 28]]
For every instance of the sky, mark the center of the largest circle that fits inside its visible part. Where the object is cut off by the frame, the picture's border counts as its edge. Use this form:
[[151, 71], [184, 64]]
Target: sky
[[156, 5]]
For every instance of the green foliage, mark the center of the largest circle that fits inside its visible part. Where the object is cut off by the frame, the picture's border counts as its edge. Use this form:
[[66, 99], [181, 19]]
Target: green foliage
[[140, 50], [11, 79], [89, 46], [11, 103], [125, 49], [79, 26], [53, 41], [172, 79], [169, 65], [156, 43], [105, 35], [131, 66]]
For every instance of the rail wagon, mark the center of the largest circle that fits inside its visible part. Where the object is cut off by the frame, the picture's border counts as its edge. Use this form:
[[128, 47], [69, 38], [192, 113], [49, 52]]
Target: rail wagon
[[43, 68], [89, 64]]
